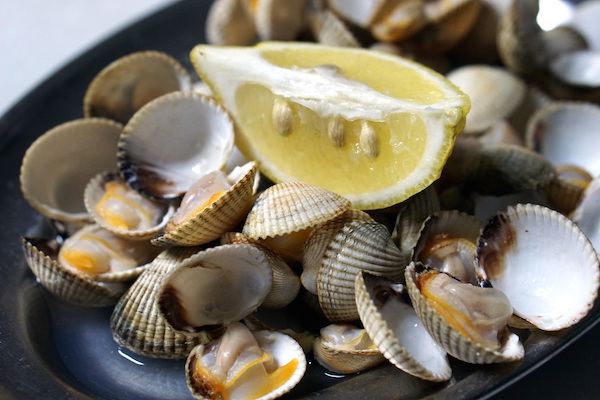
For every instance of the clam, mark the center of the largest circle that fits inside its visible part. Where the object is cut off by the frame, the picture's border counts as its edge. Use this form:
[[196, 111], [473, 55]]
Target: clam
[[76, 289], [574, 76], [243, 364], [285, 283], [447, 242], [563, 132], [230, 22], [173, 141], [330, 29], [136, 322], [59, 164], [586, 15], [125, 85], [342, 248], [495, 94], [116, 207], [284, 215], [213, 205], [469, 322], [279, 19], [346, 349], [411, 215], [214, 288], [104, 256], [544, 264], [586, 214], [389, 318]]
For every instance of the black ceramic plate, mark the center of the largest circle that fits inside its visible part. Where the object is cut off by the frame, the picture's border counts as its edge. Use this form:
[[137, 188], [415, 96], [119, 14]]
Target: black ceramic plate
[[53, 351]]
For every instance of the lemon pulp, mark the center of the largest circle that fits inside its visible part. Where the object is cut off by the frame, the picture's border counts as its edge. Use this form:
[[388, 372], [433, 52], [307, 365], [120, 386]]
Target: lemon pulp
[[372, 127]]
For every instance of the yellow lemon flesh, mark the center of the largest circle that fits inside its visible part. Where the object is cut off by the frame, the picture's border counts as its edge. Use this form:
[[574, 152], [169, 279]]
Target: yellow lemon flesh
[[373, 127]]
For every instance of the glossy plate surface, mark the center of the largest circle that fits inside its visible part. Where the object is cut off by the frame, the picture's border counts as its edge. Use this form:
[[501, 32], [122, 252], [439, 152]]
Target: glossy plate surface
[[54, 351]]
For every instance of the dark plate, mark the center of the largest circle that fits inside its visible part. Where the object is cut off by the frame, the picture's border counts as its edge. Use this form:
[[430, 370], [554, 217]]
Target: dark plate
[[54, 351]]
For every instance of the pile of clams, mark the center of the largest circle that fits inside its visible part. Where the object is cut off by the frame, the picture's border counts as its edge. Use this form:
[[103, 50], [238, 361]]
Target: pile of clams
[[168, 223]]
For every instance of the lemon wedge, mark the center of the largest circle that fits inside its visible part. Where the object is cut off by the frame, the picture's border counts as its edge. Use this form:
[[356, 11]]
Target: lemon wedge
[[371, 126]]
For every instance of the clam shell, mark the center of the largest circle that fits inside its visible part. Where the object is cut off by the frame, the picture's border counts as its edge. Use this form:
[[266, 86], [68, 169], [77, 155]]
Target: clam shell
[[125, 85], [397, 330], [358, 246], [158, 213], [59, 164], [587, 213], [220, 217], [585, 20], [400, 20], [75, 289], [346, 350], [329, 29], [128, 257], [284, 366], [279, 19], [289, 207], [411, 215], [230, 22], [520, 42], [448, 240], [173, 141], [543, 263], [215, 287], [560, 132], [452, 340], [495, 94], [448, 23], [136, 322], [285, 283], [319, 241]]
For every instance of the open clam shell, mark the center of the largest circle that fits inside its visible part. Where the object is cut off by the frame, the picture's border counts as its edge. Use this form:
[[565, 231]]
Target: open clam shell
[[245, 365], [587, 213], [447, 242], [190, 227], [388, 316], [173, 141], [215, 287], [230, 22], [76, 289], [116, 207], [346, 349], [136, 322], [125, 85], [286, 284], [467, 321], [543, 263], [85, 147]]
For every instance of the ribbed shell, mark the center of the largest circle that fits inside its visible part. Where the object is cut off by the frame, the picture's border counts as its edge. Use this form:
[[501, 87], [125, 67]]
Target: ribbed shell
[[544, 264], [76, 289], [393, 345], [455, 343], [136, 322], [172, 141], [345, 361], [126, 84], [290, 207], [279, 19], [357, 246], [220, 217], [93, 193], [587, 213], [329, 29], [59, 164], [283, 348], [318, 242], [229, 22]]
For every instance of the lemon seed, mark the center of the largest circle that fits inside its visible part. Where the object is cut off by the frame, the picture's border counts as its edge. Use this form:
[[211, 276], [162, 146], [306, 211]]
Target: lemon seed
[[283, 117], [336, 132], [369, 140]]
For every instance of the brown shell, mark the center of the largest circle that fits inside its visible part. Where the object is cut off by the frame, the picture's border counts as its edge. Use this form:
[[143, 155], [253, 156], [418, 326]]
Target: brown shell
[[125, 85], [220, 217]]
